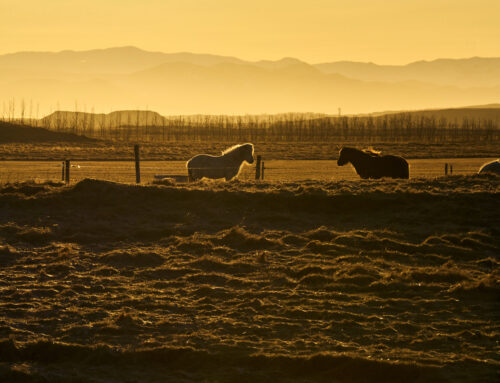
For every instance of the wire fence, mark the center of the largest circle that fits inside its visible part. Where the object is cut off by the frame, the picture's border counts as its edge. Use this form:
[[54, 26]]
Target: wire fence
[[274, 171]]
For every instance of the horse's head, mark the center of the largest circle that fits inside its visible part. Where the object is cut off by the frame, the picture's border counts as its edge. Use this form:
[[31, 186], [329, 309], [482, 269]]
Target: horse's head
[[248, 153], [343, 157]]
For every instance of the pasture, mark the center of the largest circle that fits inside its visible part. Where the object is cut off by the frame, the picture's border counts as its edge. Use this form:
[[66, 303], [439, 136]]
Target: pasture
[[344, 281], [308, 275], [275, 170], [272, 150]]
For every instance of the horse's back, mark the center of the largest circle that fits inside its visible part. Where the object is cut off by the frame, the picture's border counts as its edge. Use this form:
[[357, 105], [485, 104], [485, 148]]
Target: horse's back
[[490, 167], [395, 166], [199, 160]]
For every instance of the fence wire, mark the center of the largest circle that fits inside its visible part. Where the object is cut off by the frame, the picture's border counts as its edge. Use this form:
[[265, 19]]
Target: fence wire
[[274, 171]]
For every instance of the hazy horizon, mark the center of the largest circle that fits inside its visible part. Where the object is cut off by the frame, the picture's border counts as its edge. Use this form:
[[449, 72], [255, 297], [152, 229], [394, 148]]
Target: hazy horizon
[[266, 191], [388, 33], [189, 83], [245, 57], [340, 60]]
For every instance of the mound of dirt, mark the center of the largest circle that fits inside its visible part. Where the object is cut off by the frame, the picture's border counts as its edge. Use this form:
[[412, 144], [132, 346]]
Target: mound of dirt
[[14, 133]]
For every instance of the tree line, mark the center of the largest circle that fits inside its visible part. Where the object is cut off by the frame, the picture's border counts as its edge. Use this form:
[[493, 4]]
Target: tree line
[[146, 126], [287, 128]]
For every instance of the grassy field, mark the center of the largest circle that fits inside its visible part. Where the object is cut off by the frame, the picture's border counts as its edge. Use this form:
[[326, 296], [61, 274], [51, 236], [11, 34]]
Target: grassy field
[[348, 281], [309, 275], [182, 151], [275, 171]]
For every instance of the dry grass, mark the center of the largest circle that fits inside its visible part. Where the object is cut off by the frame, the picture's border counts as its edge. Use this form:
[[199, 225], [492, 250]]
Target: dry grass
[[352, 281], [181, 151], [275, 171]]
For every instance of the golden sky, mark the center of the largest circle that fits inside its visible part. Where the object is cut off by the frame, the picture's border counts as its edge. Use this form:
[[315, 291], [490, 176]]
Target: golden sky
[[381, 31]]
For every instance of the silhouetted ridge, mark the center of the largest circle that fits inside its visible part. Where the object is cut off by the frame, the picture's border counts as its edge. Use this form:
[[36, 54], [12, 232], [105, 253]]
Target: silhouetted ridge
[[16, 133]]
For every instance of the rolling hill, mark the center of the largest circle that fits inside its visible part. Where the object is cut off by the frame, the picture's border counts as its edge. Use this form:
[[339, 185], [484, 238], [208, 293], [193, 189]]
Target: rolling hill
[[14, 133], [474, 113], [471, 72], [186, 83]]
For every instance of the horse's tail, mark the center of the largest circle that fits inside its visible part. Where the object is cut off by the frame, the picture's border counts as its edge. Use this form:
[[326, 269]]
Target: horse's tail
[[406, 173], [190, 170], [405, 169]]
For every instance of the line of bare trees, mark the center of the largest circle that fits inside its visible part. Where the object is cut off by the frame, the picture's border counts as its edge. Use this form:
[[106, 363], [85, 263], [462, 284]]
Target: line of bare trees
[[389, 128], [147, 126]]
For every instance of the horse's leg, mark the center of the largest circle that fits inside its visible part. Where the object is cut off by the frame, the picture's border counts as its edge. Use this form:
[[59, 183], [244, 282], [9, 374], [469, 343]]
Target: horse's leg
[[231, 173], [195, 175], [406, 171]]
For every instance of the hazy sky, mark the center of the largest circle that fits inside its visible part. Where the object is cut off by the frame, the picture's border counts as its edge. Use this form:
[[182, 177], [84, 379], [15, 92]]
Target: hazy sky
[[382, 31]]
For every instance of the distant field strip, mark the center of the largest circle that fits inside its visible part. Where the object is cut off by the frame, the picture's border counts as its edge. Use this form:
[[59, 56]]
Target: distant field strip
[[278, 170]]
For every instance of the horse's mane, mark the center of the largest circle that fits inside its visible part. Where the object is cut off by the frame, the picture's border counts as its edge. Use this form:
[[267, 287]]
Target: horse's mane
[[372, 152], [236, 147], [369, 151]]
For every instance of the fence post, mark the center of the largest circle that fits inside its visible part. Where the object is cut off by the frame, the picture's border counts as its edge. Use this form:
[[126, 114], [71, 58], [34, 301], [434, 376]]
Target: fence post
[[451, 169], [446, 169], [262, 172], [257, 168], [62, 171], [137, 165], [67, 166]]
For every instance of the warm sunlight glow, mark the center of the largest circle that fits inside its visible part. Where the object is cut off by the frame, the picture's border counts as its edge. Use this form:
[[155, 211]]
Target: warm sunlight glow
[[249, 191], [382, 31]]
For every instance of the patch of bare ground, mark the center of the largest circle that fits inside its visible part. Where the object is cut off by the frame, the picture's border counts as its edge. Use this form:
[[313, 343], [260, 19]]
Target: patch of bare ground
[[353, 281]]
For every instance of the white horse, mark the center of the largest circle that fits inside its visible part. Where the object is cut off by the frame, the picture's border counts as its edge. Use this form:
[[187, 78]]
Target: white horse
[[227, 166], [490, 167]]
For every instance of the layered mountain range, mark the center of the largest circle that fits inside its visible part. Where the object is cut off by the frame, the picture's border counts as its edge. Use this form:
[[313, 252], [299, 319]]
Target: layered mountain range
[[188, 83]]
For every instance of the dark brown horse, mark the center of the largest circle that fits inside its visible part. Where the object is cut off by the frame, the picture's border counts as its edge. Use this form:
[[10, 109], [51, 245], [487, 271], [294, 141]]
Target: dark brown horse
[[370, 164]]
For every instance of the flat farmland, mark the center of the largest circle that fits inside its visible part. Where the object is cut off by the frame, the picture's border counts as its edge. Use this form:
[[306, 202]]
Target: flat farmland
[[275, 170], [182, 151]]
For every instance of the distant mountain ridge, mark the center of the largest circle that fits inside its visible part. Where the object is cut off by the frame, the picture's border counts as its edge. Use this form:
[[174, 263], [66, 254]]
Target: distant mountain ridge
[[188, 83], [475, 71], [470, 72], [117, 60]]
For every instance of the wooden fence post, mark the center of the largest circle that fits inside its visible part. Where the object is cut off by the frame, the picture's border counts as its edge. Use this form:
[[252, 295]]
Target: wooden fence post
[[451, 169], [62, 171], [137, 165], [446, 169], [67, 164], [262, 172], [257, 168]]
